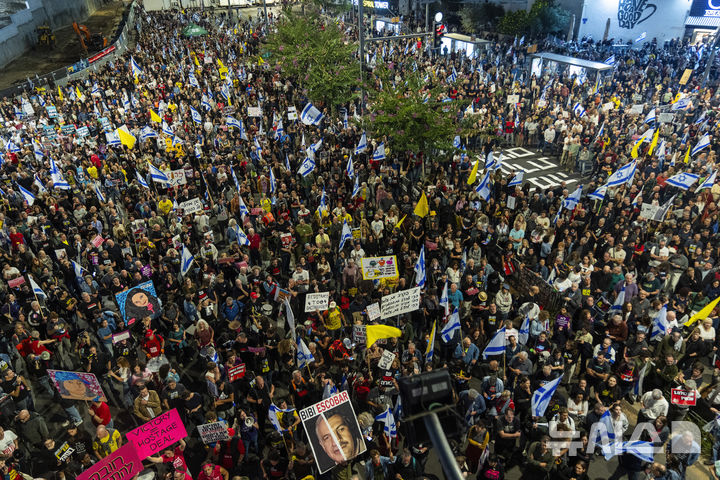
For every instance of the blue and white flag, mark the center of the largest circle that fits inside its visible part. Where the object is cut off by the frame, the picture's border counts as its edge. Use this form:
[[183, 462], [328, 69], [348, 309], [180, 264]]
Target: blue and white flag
[[196, 117], [702, 143], [39, 184], [29, 197], [452, 78], [157, 175], [356, 187], [205, 103], [457, 143], [379, 152], [311, 115], [186, 260], [323, 208], [622, 174], [57, 177], [444, 300], [304, 357], [641, 37], [599, 194], [420, 275], [496, 345], [573, 199], [650, 117], [273, 411], [517, 179], [660, 324], [579, 110], [683, 180], [279, 132], [77, 268], [345, 121], [167, 130], [242, 207], [192, 79], [542, 396], [483, 189], [147, 133], [452, 326], [681, 104], [11, 147], [642, 450], [489, 161], [314, 148], [498, 162], [701, 118], [610, 60], [307, 166], [619, 301], [141, 180], [136, 70], [524, 331], [242, 239], [345, 235], [362, 145], [349, 169], [36, 288], [37, 150], [99, 193], [273, 188], [606, 421], [708, 182], [388, 421]]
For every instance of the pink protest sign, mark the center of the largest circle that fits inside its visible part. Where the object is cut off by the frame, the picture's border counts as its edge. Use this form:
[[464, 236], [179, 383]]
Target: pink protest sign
[[160, 432], [97, 241], [122, 464]]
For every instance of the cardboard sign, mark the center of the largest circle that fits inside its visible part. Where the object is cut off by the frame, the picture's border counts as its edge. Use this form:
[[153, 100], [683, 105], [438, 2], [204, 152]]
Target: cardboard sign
[[317, 301], [64, 452], [97, 241], [157, 434], [608, 106], [667, 117], [636, 109], [83, 132], [237, 372], [254, 112], [359, 334], [327, 420], [374, 268], [16, 282], [386, 360], [373, 311], [68, 129], [649, 211], [513, 99], [77, 385], [119, 337], [686, 76], [213, 432], [191, 206], [400, 302], [683, 398], [176, 177], [122, 464]]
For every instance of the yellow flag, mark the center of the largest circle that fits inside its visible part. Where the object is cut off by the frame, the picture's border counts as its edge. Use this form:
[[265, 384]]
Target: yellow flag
[[60, 94], [397, 225], [195, 58], [473, 173], [220, 64], [155, 117], [79, 94], [126, 138], [704, 313], [431, 342], [687, 156], [261, 61], [654, 142], [376, 332], [677, 97], [634, 151], [422, 208]]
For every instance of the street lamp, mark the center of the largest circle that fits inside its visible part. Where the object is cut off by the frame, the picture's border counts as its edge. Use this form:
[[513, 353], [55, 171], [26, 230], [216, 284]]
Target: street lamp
[[438, 17]]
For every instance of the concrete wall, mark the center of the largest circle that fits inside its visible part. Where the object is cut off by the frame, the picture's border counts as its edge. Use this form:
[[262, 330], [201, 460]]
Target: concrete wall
[[660, 19], [20, 35]]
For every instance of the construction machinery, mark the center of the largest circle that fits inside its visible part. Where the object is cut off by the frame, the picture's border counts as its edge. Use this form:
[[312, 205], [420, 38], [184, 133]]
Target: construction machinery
[[89, 41], [46, 37]]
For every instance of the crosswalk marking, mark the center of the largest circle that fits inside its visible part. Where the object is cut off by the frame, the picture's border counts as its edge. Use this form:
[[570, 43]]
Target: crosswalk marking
[[540, 171]]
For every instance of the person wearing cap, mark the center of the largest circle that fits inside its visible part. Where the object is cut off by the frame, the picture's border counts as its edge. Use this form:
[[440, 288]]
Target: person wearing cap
[[504, 301], [100, 413], [333, 319], [153, 345]]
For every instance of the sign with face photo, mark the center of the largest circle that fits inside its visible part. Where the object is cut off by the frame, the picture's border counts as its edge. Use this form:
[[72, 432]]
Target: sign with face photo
[[138, 302]]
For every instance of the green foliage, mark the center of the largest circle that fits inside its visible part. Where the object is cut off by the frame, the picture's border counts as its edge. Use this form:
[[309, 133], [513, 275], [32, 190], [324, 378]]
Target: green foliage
[[544, 18], [317, 57], [514, 23], [410, 125], [474, 17]]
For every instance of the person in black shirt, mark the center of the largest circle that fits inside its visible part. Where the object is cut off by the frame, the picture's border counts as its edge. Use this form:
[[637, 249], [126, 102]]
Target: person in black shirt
[[507, 433], [260, 397]]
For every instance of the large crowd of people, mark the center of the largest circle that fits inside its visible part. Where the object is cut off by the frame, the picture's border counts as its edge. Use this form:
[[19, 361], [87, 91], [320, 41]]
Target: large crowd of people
[[586, 287]]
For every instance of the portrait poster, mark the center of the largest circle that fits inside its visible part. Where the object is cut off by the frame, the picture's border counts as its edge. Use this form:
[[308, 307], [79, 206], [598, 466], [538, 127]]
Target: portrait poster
[[333, 431], [138, 302], [77, 385]]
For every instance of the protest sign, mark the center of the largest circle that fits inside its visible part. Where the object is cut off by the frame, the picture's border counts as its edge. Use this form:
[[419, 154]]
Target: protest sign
[[359, 334], [16, 282], [77, 385], [64, 452], [648, 210], [213, 432], [292, 113], [373, 268], [317, 301], [176, 177], [51, 111], [119, 337], [608, 106], [254, 112], [513, 98], [97, 241], [684, 398], [386, 360], [636, 109], [686, 76], [68, 129], [191, 206], [122, 464], [333, 430], [400, 302], [237, 372], [160, 432], [138, 302], [666, 117], [373, 311], [83, 132]]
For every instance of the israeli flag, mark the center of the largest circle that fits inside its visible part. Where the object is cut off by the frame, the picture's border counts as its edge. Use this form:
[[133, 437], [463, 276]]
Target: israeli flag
[[619, 301], [642, 450], [77, 269], [242, 207], [311, 115], [610, 60], [379, 152], [322, 208], [517, 179], [37, 150], [599, 194], [307, 166], [681, 104], [579, 110], [136, 70], [36, 288], [242, 239], [193, 80], [27, 194], [701, 118], [37, 182], [483, 189], [704, 142], [186, 261], [205, 103], [304, 357], [641, 37], [457, 143], [490, 161], [362, 145], [452, 326], [498, 163], [660, 324], [496, 345], [273, 411], [315, 147], [11, 147], [99, 194], [683, 180], [279, 132], [708, 183], [349, 169], [524, 331], [345, 235], [622, 174], [147, 133], [650, 117], [345, 121], [452, 78], [444, 300], [57, 177], [141, 180], [167, 130], [197, 118], [387, 419], [420, 275], [225, 92], [157, 175], [542, 396], [272, 181], [573, 199], [356, 187], [606, 420]]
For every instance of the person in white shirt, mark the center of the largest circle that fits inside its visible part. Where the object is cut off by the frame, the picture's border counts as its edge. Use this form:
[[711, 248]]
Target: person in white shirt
[[619, 421], [561, 418], [302, 278], [357, 253], [654, 405]]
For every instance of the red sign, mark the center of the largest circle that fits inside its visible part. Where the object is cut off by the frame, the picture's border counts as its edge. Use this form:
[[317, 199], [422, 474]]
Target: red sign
[[97, 241], [236, 372], [16, 282], [101, 54], [683, 398], [122, 464]]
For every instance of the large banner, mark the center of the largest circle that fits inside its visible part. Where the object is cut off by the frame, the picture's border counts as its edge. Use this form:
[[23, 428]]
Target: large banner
[[400, 302], [374, 268], [138, 302], [333, 430], [122, 464], [160, 432], [77, 385]]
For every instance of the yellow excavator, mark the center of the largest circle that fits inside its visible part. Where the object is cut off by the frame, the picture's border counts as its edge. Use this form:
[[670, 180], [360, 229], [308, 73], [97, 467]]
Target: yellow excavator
[[89, 41], [46, 37]]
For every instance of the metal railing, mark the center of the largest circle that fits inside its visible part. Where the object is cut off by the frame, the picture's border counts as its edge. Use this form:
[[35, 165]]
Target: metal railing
[[82, 68]]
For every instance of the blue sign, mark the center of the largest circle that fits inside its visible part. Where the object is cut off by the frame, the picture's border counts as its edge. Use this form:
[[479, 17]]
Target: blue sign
[[138, 302]]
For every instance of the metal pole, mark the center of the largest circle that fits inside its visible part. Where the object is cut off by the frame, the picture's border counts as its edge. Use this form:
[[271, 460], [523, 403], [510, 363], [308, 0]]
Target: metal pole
[[265, 8], [361, 36], [711, 60], [439, 441], [427, 16]]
